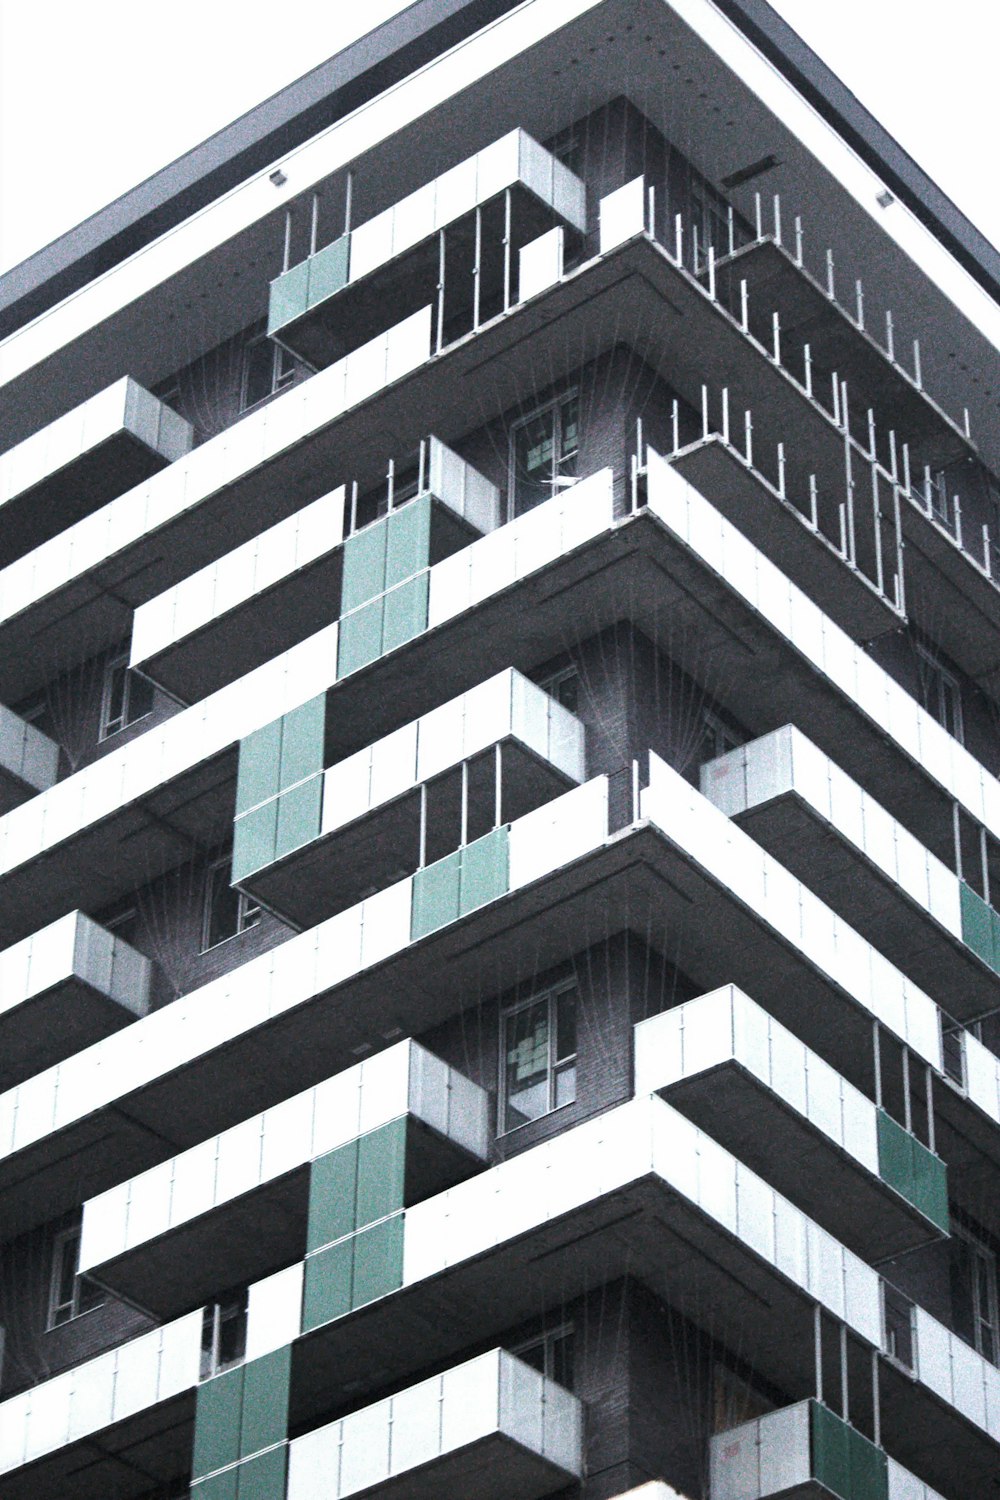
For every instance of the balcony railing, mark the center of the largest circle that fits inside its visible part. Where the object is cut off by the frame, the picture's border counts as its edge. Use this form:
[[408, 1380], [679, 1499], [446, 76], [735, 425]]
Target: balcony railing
[[29, 760], [64, 988], [492, 1426]]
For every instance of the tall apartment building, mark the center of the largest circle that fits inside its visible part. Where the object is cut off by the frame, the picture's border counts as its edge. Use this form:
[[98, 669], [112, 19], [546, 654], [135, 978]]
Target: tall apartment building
[[500, 838]]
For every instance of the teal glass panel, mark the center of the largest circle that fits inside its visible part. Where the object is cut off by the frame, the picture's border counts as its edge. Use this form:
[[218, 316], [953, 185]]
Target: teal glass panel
[[364, 566], [333, 1182], [435, 895], [830, 1451], [930, 1184], [265, 1401], [895, 1155], [408, 541], [264, 1477], [254, 840], [869, 1478], [257, 775], [405, 612], [995, 934], [217, 1419], [298, 816], [360, 639], [219, 1487], [381, 1172], [288, 298], [484, 871], [977, 923], [326, 1293], [378, 1261], [302, 734], [328, 269]]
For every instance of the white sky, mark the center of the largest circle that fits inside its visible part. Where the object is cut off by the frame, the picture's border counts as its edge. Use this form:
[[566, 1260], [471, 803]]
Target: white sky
[[96, 96]]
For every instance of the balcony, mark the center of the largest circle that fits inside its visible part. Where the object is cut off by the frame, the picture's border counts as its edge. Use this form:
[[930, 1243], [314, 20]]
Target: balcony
[[493, 755], [492, 1428], [64, 988], [67, 470], [112, 1425], [690, 879], [400, 259], [799, 804], [236, 1206], [29, 761], [137, 811], [806, 1452], [749, 1083], [281, 586]]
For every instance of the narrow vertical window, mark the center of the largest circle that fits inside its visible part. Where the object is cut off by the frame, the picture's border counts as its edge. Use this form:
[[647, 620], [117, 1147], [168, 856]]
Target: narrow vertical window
[[227, 911], [127, 696], [544, 449], [539, 1057]]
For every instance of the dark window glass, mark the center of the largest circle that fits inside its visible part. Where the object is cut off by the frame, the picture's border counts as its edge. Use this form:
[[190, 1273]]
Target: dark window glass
[[539, 1057], [227, 910]]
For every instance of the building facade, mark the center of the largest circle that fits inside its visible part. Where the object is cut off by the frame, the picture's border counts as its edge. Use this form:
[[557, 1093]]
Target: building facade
[[499, 801]]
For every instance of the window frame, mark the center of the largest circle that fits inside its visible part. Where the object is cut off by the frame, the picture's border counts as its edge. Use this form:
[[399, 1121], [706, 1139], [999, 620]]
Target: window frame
[[554, 1066], [233, 1304], [120, 660], [281, 377], [248, 911], [555, 404], [555, 680], [983, 1254], [546, 1342], [60, 1312], [935, 679]]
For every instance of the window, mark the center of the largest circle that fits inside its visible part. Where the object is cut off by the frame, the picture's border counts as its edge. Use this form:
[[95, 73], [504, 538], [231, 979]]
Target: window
[[974, 1291], [70, 1294], [543, 453], [551, 1355], [127, 697], [224, 1333], [267, 368], [564, 687], [716, 737], [539, 1056], [227, 911], [940, 693]]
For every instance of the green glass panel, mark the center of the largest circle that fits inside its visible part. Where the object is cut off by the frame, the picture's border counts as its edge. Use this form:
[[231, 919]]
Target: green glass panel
[[260, 758], [831, 1454], [217, 1418], [360, 638], [977, 923], [869, 1479], [255, 840], [326, 1293], [381, 1172], [405, 612], [298, 816], [219, 1487], [364, 566], [995, 935], [302, 734], [263, 1477], [265, 1401], [328, 269], [378, 1260], [895, 1155], [288, 296], [930, 1183], [484, 871], [333, 1182], [408, 541], [435, 895]]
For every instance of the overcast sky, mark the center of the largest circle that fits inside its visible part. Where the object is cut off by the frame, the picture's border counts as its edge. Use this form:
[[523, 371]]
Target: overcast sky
[[96, 96]]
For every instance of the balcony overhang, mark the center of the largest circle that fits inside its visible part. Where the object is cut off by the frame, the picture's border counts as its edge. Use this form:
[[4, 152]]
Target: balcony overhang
[[753, 1122], [249, 1236], [269, 621], [336, 869], [777, 282], [64, 988], [830, 863], [636, 881], [782, 533], [933, 1437], [94, 453]]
